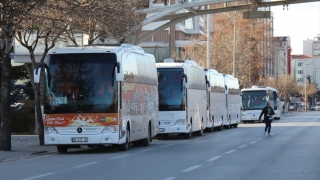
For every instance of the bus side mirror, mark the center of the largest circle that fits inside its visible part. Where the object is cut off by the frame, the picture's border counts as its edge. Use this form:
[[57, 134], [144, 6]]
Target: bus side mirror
[[119, 74], [36, 75], [186, 85]]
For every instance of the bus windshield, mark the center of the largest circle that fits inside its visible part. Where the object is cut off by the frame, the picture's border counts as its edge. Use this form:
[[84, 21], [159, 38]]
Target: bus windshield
[[171, 90], [81, 83], [254, 100]]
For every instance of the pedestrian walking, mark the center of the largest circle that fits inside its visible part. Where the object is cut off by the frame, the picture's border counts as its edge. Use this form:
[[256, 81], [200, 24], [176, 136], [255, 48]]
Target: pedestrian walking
[[268, 112], [291, 107]]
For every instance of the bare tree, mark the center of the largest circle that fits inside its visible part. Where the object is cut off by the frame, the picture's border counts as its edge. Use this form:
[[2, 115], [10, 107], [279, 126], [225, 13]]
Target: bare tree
[[42, 28], [103, 19], [12, 13]]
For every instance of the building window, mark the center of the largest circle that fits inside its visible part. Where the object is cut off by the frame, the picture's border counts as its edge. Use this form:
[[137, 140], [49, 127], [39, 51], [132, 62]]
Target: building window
[[300, 64], [300, 72], [300, 79]]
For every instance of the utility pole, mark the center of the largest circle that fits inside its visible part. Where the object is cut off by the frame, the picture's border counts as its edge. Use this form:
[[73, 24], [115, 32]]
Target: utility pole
[[208, 40], [234, 44]]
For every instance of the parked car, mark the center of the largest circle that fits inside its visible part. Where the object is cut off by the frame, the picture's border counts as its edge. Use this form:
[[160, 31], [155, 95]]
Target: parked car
[[17, 106], [317, 107], [313, 108]]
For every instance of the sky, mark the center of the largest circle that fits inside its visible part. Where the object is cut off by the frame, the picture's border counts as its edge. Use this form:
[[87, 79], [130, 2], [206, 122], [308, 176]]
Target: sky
[[300, 22]]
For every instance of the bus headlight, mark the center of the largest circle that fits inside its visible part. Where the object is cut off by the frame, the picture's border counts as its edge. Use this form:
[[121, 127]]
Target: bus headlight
[[50, 129], [108, 129], [180, 122]]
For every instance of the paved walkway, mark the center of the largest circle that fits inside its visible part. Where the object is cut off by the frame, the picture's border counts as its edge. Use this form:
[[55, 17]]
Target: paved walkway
[[25, 146]]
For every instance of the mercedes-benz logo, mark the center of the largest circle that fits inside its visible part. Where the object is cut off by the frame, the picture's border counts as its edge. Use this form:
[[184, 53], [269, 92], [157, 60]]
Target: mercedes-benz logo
[[79, 130]]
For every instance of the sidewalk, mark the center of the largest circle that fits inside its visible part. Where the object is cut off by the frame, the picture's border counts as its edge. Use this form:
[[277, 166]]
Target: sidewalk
[[25, 146]]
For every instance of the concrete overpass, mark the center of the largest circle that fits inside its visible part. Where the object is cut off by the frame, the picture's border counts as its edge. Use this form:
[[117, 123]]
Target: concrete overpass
[[167, 12]]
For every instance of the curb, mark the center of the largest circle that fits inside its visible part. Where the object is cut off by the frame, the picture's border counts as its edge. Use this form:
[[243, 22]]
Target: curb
[[32, 155]]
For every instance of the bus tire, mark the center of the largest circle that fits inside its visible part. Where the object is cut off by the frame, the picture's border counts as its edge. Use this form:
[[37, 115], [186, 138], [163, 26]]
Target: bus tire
[[62, 148], [220, 127], [189, 134], [235, 125], [125, 146], [146, 141], [211, 129], [200, 132]]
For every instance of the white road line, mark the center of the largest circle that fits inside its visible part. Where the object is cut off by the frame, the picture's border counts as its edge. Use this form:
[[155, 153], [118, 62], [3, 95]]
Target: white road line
[[184, 141], [147, 150], [170, 178], [214, 158], [191, 168], [229, 152], [120, 156], [259, 139], [85, 165], [252, 142], [242, 146], [167, 145], [36, 177]]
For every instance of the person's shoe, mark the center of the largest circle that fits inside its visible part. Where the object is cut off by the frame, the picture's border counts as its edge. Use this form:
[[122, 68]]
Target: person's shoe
[[269, 134]]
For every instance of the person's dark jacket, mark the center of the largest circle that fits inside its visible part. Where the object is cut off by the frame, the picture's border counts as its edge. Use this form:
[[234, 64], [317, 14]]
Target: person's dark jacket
[[265, 112]]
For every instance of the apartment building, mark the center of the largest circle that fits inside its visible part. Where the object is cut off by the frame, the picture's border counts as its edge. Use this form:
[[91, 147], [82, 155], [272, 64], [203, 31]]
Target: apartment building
[[311, 47], [282, 56], [305, 66]]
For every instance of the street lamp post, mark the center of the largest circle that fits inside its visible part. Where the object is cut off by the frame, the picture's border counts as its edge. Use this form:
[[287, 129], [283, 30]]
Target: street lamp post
[[305, 86]]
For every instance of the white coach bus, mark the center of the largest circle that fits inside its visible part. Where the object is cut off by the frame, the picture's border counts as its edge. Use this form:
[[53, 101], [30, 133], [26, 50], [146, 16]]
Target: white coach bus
[[254, 99], [216, 100], [98, 95], [182, 98], [233, 101]]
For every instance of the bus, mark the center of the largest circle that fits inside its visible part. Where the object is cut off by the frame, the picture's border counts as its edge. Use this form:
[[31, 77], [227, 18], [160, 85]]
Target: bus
[[254, 99], [216, 100], [233, 101], [182, 98], [99, 95]]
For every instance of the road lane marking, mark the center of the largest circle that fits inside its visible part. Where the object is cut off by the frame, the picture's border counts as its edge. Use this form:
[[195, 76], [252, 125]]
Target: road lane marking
[[214, 158], [259, 139], [184, 141], [85, 164], [252, 142], [170, 178], [147, 150], [120, 156], [36, 177], [167, 145], [242, 146], [191, 168], [229, 152]]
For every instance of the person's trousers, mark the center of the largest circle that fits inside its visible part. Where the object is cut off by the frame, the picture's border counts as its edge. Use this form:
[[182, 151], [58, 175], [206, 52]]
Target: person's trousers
[[268, 126]]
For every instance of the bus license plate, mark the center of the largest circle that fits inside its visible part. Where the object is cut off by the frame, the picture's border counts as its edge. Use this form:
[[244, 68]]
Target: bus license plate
[[161, 129], [79, 139]]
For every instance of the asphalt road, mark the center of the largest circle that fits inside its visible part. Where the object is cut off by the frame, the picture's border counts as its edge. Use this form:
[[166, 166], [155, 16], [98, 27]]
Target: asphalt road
[[291, 152]]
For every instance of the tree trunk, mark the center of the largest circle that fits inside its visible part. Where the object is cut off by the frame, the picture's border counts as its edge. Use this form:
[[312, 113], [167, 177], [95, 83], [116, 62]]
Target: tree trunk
[[5, 134], [39, 114]]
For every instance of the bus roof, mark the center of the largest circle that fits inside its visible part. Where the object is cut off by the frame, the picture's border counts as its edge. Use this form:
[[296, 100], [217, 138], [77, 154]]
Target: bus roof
[[172, 64], [253, 88], [95, 48]]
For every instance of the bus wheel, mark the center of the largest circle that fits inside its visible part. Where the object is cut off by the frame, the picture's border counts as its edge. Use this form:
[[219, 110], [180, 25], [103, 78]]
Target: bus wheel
[[200, 132], [211, 129], [189, 134], [220, 128], [62, 148], [125, 146], [235, 125], [146, 141]]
